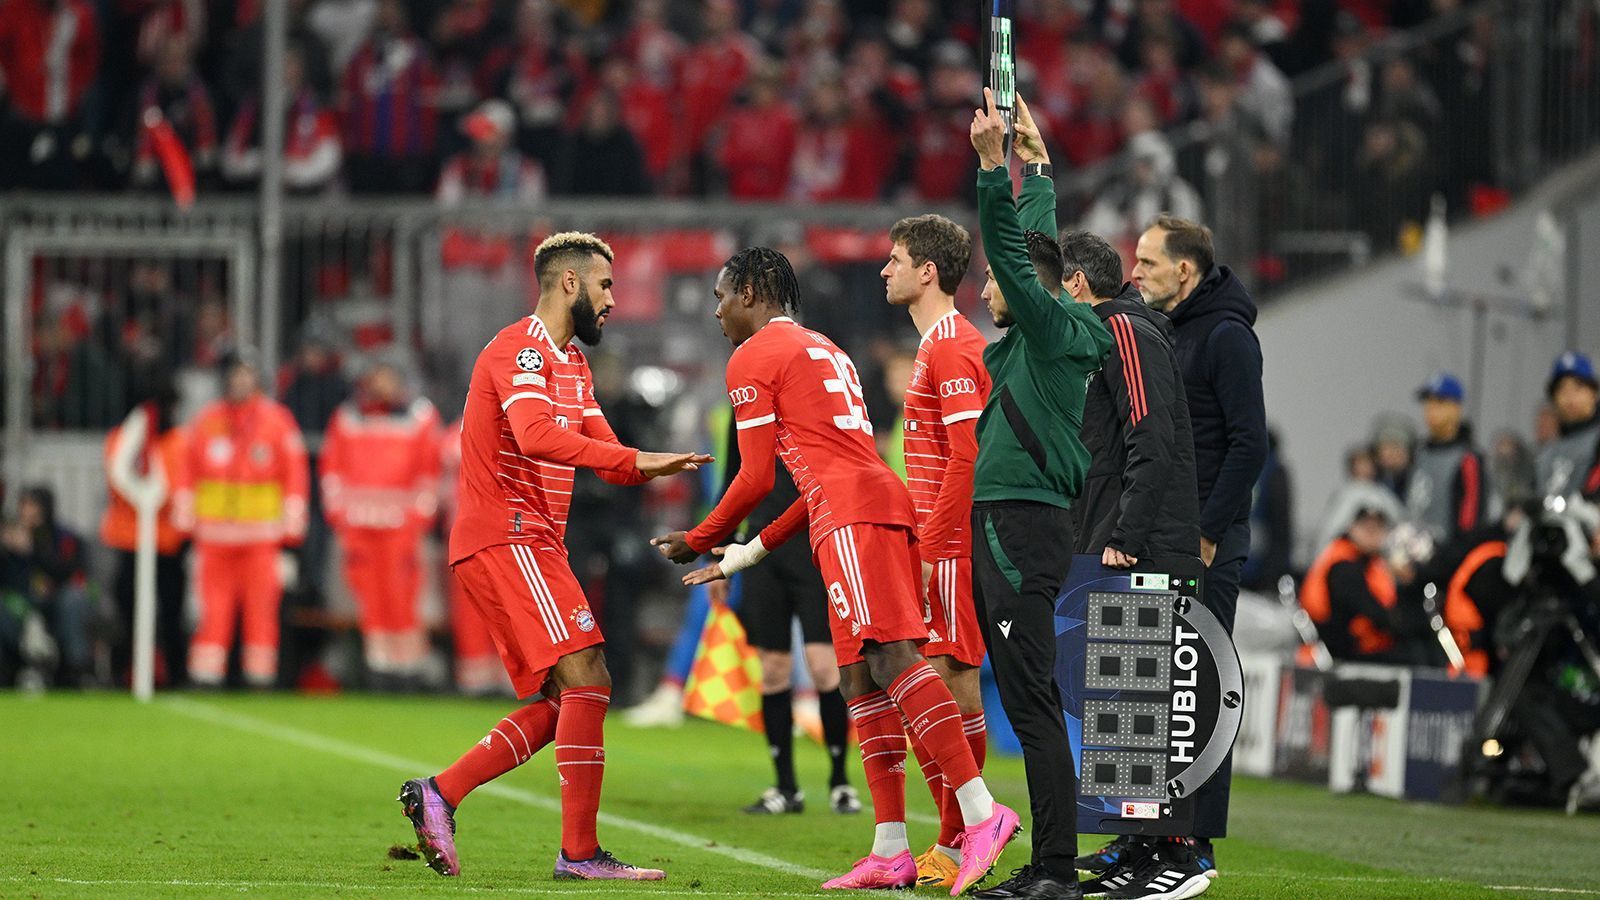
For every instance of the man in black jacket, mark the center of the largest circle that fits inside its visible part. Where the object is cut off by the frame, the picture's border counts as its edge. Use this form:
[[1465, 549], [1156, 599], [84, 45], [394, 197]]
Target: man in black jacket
[[1139, 497], [1220, 359]]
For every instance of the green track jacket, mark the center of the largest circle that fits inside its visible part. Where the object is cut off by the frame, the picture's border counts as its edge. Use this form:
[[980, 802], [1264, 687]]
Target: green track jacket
[[1028, 447]]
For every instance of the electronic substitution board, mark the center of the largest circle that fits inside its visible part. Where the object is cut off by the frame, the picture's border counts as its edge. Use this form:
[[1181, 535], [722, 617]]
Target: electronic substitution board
[[1151, 689]]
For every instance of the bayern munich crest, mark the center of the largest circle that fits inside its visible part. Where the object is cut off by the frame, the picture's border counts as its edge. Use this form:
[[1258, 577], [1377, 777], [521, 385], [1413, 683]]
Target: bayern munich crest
[[584, 620], [529, 359]]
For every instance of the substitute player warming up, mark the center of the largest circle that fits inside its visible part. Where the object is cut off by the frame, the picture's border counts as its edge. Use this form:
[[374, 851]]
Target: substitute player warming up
[[796, 395], [530, 419]]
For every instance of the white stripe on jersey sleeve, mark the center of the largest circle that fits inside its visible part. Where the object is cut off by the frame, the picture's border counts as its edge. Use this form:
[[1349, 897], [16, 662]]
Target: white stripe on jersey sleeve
[[962, 416], [523, 395], [758, 421]]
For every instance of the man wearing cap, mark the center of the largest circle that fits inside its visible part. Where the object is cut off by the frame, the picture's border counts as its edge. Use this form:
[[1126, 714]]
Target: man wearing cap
[[1447, 494], [1569, 465]]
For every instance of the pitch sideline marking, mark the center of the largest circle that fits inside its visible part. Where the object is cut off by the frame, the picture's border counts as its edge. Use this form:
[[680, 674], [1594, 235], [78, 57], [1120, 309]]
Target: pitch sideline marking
[[313, 741]]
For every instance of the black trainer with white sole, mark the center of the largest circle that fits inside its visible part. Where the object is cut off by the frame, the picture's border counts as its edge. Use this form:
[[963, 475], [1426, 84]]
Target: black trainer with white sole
[[1173, 872], [774, 802]]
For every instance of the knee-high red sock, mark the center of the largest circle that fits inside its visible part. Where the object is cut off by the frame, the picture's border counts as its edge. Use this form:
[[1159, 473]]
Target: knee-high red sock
[[943, 795], [975, 728], [581, 763], [512, 742], [925, 700], [883, 754]]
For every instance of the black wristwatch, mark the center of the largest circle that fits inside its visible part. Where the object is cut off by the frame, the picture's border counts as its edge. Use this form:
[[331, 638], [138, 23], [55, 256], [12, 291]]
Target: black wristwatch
[[1035, 168]]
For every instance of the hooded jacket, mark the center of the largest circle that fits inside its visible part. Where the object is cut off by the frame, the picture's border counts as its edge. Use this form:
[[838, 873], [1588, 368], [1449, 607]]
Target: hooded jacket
[[1220, 358], [1139, 496]]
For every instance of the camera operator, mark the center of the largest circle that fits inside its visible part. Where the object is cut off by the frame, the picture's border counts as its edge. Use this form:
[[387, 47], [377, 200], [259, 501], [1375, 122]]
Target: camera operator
[[1547, 636], [1469, 573]]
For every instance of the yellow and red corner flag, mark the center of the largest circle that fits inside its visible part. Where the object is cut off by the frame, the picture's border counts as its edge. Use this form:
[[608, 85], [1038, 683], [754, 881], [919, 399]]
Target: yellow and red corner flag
[[725, 682]]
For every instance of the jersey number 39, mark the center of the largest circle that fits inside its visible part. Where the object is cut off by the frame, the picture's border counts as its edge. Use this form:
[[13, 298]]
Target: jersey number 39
[[847, 384]]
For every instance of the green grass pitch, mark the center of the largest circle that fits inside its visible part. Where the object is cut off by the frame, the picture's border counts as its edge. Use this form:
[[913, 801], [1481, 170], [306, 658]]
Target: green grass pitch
[[294, 797]]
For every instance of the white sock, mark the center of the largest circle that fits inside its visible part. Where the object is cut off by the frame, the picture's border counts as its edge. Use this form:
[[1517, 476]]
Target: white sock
[[953, 853], [977, 804], [889, 839]]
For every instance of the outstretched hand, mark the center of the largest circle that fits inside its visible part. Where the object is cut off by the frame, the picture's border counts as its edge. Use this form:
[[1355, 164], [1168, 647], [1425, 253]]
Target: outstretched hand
[[674, 546], [988, 133], [656, 465], [709, 573]]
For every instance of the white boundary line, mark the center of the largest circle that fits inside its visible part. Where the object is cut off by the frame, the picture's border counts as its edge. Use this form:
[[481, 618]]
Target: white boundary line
[[313, 741], [595, 889]]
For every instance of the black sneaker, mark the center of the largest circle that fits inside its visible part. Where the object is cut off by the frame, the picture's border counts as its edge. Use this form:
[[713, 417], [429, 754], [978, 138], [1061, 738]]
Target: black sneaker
[[844, 800], [1206, 856], [1032, 883], [1134, 854], [774, 802], [1108, 857], [1171, 873]]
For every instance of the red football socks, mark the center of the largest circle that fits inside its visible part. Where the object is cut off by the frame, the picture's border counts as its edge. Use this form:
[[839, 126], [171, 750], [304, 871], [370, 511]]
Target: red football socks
[[975, 728], [883, 754], [509, 744], [581, 763], [934, 719], [944, 796]]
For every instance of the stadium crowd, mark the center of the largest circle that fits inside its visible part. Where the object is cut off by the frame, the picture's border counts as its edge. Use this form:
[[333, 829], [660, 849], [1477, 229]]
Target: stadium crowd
[[854, 100]]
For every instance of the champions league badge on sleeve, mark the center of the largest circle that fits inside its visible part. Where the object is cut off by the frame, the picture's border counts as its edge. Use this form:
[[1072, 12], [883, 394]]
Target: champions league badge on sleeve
[[1151, 689]]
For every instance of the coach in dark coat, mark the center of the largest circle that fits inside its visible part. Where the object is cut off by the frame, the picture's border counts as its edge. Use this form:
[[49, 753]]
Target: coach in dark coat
[[1220, 359], [1139, 497]]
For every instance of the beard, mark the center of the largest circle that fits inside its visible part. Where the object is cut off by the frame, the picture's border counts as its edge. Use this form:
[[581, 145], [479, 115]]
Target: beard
[[585, 321], [1158, 303]]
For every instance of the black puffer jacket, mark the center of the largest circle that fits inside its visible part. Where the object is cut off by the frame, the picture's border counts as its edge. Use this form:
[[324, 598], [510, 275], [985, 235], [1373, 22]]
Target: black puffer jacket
[[1220, 359], [1139, 496]]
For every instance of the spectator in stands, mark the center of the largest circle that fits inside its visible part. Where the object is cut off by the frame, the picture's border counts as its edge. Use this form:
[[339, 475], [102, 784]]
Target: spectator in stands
[[601, 156], [49, 57], [1328, 131], [1570, 464], [175, 95], [462, 34], [389, 98], [1147, 186], [654, 49], [711, 74], [539, 73], [311, 145], [1282, 200], [1392, 181], [1268, 32], [1406, 97], [647, 112], [492, 168], [756, 142], [942, 167], [1161, 17], [1163, 84], [1264, 92], [817, 44], [241, 78], [1511, 469], [910, 29], [1448, 494], [44, 598], [1351, 595], [837, 156], [142, 458], [1095, 124], [379, 465]]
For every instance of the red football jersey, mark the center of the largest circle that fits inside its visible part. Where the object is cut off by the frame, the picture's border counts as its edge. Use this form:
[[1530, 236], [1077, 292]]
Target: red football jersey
[[795, 391], [530, 419], [949, 386]]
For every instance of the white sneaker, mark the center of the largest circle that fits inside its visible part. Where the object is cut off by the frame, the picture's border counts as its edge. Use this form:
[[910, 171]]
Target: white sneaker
[[662, 709]]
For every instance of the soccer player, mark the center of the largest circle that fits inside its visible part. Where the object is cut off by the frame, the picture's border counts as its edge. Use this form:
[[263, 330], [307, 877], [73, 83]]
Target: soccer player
[[797, 395], [530, 419], [948, 388]]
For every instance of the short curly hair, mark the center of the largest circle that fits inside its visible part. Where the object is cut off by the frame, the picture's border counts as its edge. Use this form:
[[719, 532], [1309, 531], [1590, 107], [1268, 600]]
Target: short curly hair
[[565, 249], [768, 274], [934, 238]]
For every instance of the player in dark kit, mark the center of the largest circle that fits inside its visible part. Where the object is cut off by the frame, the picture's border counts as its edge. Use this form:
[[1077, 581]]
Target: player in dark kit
[[797, 395]]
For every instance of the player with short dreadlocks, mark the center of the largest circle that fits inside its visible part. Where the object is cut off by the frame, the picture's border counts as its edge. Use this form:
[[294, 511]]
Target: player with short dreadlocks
[[796, 396]]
